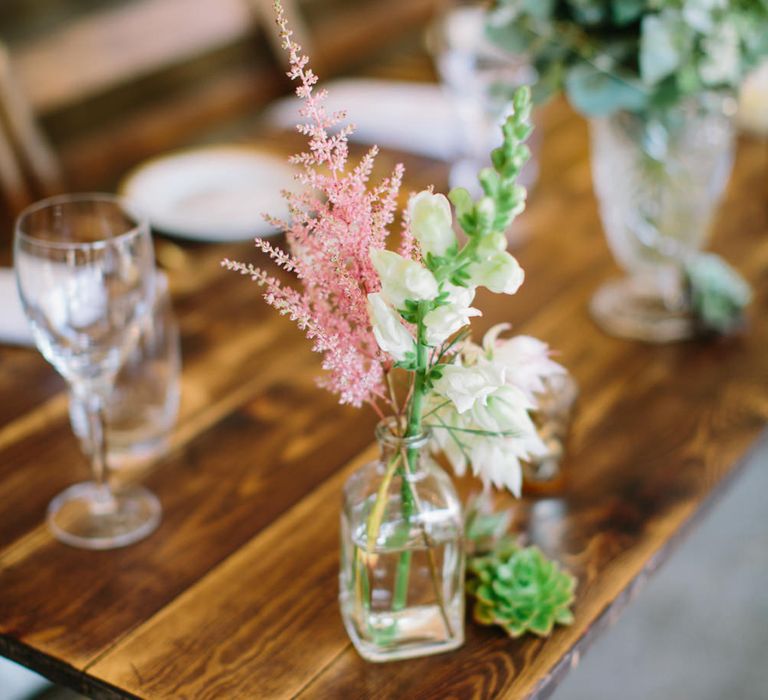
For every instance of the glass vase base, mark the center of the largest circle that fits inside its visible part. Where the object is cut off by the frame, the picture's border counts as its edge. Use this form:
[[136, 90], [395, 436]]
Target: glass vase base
[[89, 517], [407, 634], [626, 308]]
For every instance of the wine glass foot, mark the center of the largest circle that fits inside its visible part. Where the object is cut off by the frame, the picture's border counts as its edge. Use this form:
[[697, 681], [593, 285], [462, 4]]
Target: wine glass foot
[[85, 516], [627, 308]]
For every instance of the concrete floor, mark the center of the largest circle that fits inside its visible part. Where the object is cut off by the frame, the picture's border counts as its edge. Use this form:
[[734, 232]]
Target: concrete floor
[[699, 630]]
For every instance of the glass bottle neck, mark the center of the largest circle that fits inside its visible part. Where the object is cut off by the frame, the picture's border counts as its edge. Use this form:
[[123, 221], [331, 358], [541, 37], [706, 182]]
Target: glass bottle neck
[[408, 451]]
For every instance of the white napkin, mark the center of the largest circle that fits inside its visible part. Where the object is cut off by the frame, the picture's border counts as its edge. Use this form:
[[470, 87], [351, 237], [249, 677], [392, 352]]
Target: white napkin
[[14, 328], [414, 117]]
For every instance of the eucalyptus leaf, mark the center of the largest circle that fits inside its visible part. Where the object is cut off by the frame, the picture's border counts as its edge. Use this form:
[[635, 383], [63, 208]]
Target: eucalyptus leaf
[[597, 93], [626, 11], [660, 48]]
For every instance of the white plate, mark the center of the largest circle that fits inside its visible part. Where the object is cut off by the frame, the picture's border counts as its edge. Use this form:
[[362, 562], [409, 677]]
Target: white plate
[[218, 193]]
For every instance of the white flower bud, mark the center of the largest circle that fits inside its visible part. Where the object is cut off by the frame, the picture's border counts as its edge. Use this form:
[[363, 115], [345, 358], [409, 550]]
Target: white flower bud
[[431, 222]]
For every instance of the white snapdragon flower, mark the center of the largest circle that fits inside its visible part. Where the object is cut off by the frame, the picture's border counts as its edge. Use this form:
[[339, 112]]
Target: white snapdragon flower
[[466, 386], [402, 279], [500, 272], [391, 335], [431, 222], [441, 323], [525, 359]]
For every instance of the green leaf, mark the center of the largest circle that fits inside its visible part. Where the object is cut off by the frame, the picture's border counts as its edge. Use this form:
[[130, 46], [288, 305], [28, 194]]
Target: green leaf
[[598, 93], [665, 42], [627, 11], [718, 293]]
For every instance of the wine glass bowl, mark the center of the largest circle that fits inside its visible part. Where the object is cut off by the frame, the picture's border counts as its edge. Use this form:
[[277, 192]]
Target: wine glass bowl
[[86, 274]]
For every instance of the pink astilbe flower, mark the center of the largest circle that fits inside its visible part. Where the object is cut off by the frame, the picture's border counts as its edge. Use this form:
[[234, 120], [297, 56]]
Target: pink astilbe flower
[[334, 222]]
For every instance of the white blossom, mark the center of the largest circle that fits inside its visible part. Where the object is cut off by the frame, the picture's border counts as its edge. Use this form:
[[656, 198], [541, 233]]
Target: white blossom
[[465, 386], [391, 335], [431, 222], [497, 461], [525, 359], [402, 279], [505, 410]]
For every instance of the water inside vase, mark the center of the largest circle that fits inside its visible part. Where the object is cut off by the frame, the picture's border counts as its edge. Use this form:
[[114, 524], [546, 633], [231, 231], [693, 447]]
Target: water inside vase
[[391, 615]]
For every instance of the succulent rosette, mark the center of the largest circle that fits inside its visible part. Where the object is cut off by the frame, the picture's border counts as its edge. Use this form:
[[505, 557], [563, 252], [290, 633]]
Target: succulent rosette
[[520, 590]]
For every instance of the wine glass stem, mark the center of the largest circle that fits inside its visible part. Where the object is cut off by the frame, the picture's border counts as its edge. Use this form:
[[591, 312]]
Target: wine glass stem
[[97, 433]]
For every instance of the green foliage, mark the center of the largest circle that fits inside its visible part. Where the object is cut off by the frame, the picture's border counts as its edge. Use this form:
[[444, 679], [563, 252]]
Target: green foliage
[[636, 55], [520, 590], [718, 293]]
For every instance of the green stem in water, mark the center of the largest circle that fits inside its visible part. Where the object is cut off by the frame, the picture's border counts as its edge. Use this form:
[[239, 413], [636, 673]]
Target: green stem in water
[[413, 429]]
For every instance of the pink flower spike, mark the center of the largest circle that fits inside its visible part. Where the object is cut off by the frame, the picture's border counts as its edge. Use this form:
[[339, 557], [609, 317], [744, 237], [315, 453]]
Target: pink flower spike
[[334, 221]]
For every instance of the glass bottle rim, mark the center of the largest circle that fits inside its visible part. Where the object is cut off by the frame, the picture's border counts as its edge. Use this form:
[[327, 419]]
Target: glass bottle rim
[[141, 226], [387, 433]]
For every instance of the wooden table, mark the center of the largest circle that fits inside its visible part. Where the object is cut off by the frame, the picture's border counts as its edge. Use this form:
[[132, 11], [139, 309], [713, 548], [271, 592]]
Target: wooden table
[[235, 595]]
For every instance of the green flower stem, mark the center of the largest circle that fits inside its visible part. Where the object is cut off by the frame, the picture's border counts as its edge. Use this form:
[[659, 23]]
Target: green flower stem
[[413, 429], [409, 498]]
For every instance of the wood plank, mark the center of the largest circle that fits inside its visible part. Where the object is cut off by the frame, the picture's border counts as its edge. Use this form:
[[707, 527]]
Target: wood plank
[[214, 500]]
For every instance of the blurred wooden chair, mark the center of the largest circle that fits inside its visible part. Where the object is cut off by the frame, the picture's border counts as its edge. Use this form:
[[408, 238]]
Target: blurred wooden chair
[[28, 166], [121, 82]]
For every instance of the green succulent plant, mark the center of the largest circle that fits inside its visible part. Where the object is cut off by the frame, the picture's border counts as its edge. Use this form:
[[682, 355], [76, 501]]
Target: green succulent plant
[[521, 590]]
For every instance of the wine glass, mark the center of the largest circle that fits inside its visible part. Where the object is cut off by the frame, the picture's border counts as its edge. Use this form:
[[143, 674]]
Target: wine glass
[[86, 274]]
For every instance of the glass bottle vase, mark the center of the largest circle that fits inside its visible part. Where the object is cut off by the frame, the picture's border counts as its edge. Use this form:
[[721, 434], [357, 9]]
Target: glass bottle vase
[[658, 182], [402, 553]]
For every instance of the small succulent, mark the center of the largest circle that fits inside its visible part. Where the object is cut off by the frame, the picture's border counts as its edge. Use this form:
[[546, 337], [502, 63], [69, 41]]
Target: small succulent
[[717, 292], [521, 590]]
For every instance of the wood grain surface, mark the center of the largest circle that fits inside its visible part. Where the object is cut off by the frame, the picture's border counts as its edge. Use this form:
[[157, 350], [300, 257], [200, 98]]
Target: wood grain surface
[[235, 595]]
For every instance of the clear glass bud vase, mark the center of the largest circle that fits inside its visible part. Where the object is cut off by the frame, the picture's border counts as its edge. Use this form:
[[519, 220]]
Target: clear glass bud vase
[[658, 181], [402, 553]]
